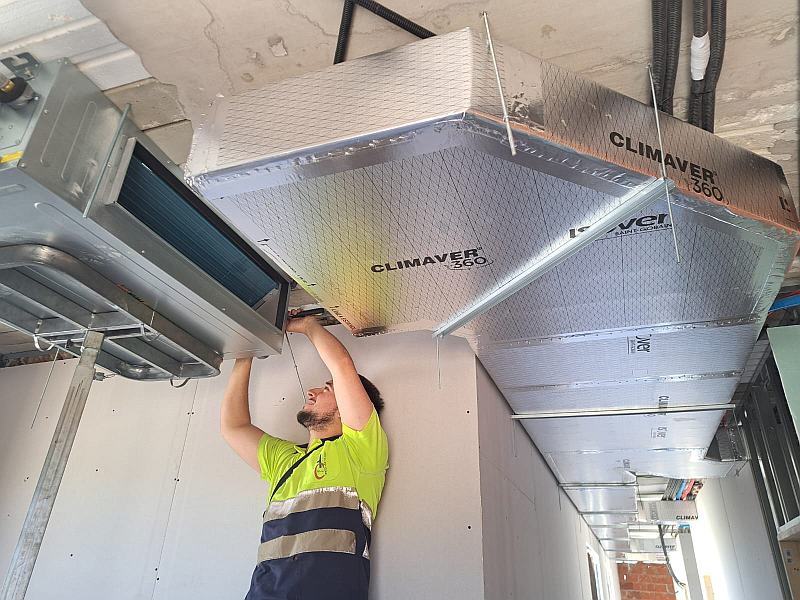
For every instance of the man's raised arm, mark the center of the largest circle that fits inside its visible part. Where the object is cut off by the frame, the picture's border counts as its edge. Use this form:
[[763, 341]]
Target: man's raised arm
[[235, 424], [355, 407]]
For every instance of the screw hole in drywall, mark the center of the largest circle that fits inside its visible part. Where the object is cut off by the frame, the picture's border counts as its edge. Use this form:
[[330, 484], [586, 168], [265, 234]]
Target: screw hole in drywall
[[467, 412], [469, 526]]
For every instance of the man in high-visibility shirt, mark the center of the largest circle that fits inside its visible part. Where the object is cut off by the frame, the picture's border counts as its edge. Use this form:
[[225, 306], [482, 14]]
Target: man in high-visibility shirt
[[323, 495]]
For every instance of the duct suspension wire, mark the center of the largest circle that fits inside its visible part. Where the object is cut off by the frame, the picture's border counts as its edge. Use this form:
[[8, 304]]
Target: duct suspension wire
[[718, 32], [699, 60], [376, 8], [674, 12], [659, 16]]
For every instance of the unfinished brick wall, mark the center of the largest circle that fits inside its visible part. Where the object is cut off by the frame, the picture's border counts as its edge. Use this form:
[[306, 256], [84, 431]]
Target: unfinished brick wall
[[642, 581]]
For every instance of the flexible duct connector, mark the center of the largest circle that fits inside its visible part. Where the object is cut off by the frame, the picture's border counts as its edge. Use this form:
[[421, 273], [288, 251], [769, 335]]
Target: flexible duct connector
[[674, 13]]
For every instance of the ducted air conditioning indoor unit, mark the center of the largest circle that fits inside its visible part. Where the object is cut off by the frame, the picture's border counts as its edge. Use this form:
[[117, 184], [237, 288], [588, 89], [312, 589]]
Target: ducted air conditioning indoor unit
[[98, 231]]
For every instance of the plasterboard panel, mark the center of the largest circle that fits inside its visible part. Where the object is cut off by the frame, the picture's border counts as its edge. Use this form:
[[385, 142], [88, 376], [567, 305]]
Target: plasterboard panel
[[654, 431]]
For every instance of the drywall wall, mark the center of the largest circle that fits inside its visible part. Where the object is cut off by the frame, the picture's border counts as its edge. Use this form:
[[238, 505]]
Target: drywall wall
[[730, 541], [534, 541], [155, 506]]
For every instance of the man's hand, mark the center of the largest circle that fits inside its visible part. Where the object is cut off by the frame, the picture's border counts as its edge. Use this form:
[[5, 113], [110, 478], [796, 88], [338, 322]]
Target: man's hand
[[301, 325]]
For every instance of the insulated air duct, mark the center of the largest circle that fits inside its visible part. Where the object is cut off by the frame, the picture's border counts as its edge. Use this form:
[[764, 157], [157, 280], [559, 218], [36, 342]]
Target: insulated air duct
[[386, 187]]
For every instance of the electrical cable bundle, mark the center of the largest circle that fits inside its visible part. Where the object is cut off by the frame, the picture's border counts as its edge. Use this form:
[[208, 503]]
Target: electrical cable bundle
[[718, 32], [666, 50], [707, 53]]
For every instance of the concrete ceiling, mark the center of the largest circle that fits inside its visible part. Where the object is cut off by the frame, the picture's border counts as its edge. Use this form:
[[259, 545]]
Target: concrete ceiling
[[209, 47]]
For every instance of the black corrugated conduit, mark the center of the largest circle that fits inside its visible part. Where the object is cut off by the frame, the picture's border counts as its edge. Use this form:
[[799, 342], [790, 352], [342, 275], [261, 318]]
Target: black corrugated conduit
[[718, 32], [344, 32], [674, 10], [395, 19], [659, 10], [699, 60], [381, 11]]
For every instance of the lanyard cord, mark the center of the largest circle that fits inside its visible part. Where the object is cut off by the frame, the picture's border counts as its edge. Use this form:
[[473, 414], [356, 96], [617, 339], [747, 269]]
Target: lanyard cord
[[289, 471]]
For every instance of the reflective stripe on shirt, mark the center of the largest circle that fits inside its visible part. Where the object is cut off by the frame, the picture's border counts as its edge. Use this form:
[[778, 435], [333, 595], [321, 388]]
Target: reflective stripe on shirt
[[319, 540], [329, 497]]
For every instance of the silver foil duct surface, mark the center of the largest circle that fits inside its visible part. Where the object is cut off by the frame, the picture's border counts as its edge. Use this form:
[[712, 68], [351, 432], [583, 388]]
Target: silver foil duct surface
[[386, 187]]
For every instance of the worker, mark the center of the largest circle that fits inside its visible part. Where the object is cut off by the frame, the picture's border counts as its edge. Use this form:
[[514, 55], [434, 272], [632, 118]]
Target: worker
[[324, 495]]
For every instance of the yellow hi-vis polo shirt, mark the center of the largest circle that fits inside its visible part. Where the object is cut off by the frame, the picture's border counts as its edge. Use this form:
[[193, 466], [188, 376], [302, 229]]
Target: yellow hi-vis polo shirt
[[356, 460]]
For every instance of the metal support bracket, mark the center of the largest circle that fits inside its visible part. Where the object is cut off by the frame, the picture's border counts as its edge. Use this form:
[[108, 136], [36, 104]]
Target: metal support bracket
[[22, 65], [33, 529], [104, 167], [126, 321]]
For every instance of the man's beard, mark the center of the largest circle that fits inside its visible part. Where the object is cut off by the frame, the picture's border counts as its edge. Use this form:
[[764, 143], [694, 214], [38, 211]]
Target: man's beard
[[311, 420]]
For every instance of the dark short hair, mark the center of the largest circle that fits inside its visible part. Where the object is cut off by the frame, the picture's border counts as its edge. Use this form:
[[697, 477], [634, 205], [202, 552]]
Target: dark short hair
[[373, 393]]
